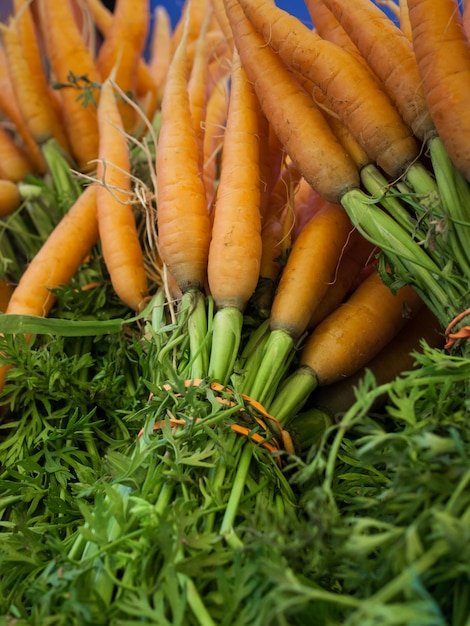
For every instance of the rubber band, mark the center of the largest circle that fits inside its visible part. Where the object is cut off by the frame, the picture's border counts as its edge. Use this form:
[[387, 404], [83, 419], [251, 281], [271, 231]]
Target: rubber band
[[462, 333], [277, 439]]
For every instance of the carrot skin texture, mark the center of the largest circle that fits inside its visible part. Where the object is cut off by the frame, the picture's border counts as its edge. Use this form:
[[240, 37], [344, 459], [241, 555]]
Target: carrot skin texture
[[442, 51], [298, 123], [235, 249], [14, 162], [396, 357], [350, 89], [118, 232], [357, 330], [182, 215], [68, 53], [389, 53], [10, 197], [309, 269]]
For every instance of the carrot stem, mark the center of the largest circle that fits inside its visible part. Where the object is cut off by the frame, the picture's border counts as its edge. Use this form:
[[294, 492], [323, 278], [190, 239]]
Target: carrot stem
[[193, 303], [226, 338], [293, 394], [277, 355]]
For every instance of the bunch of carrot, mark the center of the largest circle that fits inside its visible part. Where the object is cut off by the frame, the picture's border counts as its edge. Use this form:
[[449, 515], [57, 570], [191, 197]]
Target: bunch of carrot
[[291, 216]]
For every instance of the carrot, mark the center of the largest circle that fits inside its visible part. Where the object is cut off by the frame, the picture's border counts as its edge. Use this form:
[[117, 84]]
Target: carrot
[[14, 162], [357, 252], [395, 358], [122, 251], [222, 19], [235, 249], [182, 208], [10, 108], [56, 262], [351, 90], [70, 59], [31, 87], [160, 48], [6, 289], [122, 49], [347, 340], [214, 128], [197, 85], [465, 19], [10, 197], [193, 15], [443, 56], [389, 54], [328, 27], [298, 123], [404, 19], [304, 281]]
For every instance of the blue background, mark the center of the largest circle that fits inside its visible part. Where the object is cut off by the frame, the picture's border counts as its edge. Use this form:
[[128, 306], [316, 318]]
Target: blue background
[[295, 7]]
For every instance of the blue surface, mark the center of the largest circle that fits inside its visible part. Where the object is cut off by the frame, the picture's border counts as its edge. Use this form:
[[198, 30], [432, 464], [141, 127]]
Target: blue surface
[[295, 7]]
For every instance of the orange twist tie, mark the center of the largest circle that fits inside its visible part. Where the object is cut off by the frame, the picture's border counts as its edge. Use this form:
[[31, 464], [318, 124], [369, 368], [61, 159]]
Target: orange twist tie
[[280, 438], [463, 333]]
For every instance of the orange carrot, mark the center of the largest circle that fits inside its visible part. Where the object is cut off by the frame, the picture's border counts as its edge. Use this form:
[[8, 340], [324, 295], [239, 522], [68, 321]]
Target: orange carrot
[[31, 86], [214, 128], [390, 55], [14, 162], [6, 289], [10, 197], [122, 49], [404, 19], [442, 52], [351, 90], [357, 252], [299, 124], [10, 108], [160, 48], [57, 261], [395, 358], [347, 340], [309, 269], [197, 85], [221, 17], [182, 216], [70, 58], [328, 27], [122, 251], [304, 281], [192, 18], [235, 249]]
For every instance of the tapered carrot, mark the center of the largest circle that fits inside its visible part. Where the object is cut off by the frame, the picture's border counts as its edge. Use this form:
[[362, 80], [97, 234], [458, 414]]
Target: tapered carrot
[[389, 53], [214, 128], [70, 58], [122, 250], [122, 49], [10, 108], [294, 117], [351, 90], [404, 19], [6, 289], [327, 26], [10, 197], [221, 17], [235, 249], [304, 281], [57, 261], [398, 356], [32, 90], [14, 162], [193, 15], [160, 48], [197, 85], [442, 53], [354, 257], [347, 340], [145, 86], [182, 214]]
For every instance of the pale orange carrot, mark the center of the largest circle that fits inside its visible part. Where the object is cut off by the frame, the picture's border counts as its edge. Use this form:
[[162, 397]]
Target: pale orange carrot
[[119, 238], [181, 197], [71, 60]]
